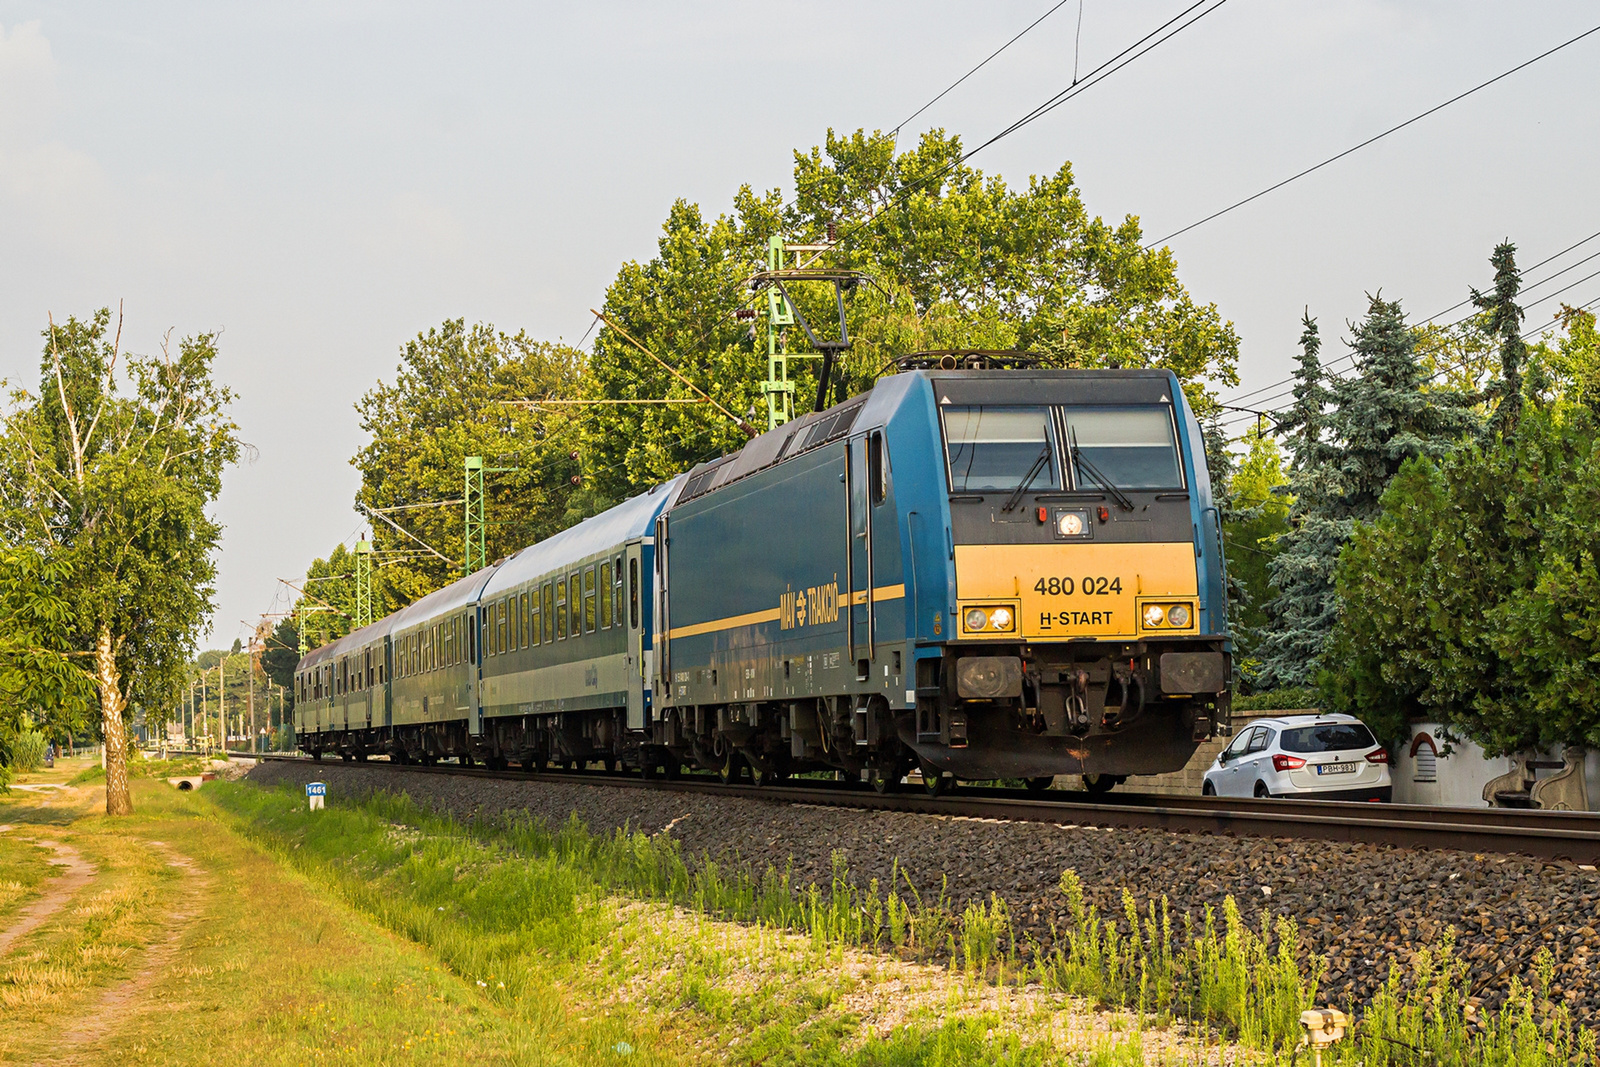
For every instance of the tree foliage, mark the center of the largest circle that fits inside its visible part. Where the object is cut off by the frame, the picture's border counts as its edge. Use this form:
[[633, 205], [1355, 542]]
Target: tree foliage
[[1257, 518], [460, 391], [1378, 418], [107, 474], [957, 259]]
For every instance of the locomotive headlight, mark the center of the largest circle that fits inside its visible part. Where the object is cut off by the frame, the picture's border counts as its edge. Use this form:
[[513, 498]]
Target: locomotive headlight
[[1070, 524], [996, 620], [1178, 615], [1154, 615]]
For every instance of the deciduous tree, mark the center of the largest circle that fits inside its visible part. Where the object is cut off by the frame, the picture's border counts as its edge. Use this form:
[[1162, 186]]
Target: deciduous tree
[[107, 473]]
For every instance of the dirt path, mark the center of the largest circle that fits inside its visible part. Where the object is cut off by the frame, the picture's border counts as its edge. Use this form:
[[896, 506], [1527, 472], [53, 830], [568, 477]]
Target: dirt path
[[115, 1003], [76, 875]]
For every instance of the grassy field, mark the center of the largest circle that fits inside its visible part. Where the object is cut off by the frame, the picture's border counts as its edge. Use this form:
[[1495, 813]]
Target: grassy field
[[231, 922]]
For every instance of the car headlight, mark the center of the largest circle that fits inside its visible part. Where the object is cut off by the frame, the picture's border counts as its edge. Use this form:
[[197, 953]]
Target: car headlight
[[989, 620], [1178, 615], [1154, 615]]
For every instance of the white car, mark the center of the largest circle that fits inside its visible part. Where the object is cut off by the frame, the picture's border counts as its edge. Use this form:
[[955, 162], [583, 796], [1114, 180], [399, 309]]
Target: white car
[[1310, 757]]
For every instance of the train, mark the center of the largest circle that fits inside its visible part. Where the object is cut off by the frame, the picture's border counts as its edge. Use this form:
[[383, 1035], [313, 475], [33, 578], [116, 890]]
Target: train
[[961, 574]]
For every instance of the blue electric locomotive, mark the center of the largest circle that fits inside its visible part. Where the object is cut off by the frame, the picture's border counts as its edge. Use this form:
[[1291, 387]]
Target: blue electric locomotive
[[977, 574]]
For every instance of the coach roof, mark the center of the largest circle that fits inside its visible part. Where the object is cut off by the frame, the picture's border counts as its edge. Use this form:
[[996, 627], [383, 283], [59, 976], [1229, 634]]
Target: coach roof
[[628, 521]]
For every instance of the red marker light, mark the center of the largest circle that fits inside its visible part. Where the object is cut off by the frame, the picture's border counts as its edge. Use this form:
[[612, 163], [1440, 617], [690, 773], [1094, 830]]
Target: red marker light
[[1105, 513], [1044, 515]]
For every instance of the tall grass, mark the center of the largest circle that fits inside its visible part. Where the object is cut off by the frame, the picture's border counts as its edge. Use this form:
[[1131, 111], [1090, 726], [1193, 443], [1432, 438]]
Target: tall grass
[[1215, 971]]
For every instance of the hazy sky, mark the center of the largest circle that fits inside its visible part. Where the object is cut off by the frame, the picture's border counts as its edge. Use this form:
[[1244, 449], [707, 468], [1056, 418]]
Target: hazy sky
[[321, 181]]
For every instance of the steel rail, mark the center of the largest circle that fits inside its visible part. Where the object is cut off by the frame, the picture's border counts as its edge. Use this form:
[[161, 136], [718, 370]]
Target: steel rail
[[1560, 835]]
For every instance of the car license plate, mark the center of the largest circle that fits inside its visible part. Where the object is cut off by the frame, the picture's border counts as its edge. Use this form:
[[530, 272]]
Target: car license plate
[[1336, 768]]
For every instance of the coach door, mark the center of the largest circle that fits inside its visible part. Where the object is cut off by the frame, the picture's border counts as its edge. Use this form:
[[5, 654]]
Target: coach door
[[475, 671], [632, 612], [662, 645], [859, 524]]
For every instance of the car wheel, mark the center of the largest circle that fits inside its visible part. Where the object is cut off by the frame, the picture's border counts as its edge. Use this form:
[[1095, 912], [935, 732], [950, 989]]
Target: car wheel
[[1208, 790], [1262, 791]]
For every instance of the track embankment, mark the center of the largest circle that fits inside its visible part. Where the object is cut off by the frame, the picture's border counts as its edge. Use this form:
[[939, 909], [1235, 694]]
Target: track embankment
[[1361, 905]]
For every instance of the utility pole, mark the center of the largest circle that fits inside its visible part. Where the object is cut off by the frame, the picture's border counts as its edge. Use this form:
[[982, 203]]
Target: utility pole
[[222, 705], [364, 581], [778, 388], [204, 722], [475, 555], [250, 662]]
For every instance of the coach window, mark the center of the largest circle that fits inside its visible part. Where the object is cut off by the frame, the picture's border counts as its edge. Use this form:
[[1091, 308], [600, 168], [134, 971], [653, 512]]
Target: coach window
[[535, 625], [522, 611], [877, 468], [561, 610], [514, 607], [549, 613], [575, 604], [633, 593], [452, 649], [590, 616], [605, 595], [469, 623]]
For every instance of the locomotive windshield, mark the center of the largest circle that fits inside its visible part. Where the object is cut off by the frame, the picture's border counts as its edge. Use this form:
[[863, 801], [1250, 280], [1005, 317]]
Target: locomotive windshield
[[995, 448], [1133, 447]]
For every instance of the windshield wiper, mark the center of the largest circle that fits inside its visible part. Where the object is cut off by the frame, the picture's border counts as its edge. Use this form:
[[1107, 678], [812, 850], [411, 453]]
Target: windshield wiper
[[1082, 463], [1033, 472]]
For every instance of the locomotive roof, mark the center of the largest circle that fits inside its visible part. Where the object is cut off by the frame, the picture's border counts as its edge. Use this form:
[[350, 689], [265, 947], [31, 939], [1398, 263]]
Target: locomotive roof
[[628, 521]]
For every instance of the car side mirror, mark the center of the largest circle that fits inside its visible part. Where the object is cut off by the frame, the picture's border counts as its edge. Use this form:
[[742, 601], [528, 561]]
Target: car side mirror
[[1222, 757]]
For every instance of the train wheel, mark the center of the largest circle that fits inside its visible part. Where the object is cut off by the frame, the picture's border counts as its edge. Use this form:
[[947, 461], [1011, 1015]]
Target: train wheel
[[611, 766], [1100, 783], [672, 770], [728, 773], [347, 757], [934, 783], [1040, 784], [885, 782]]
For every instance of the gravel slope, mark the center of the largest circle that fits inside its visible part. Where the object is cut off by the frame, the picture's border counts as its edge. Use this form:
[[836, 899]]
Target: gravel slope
[[1362, 906]]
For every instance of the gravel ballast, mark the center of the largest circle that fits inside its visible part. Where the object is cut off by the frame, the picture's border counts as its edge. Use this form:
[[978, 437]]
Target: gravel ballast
[[1361, 906]]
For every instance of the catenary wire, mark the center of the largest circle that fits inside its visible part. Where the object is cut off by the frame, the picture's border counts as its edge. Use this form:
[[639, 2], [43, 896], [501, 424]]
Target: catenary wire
[[947, 89], [1374, 139], [1522, 271]]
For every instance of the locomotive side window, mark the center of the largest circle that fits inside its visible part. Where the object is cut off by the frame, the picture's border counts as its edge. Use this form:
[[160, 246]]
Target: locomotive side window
[[605, 595], [877, 468], [549, 612], [1133, 447], [999, 448], [589, 615]]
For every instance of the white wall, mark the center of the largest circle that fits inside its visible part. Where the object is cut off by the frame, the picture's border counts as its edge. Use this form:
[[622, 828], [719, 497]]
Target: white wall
[[1460, 776]]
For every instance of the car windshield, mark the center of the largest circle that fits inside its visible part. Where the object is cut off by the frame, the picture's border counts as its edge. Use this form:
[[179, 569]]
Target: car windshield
[[1132, 447], [1328, 737], [994, 448]]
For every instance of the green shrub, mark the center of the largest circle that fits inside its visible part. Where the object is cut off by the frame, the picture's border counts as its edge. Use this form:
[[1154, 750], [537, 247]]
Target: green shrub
[[1291, 698]]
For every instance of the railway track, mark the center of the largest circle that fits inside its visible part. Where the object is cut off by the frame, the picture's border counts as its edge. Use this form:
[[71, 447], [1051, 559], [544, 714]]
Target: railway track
[[1573, 836]]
